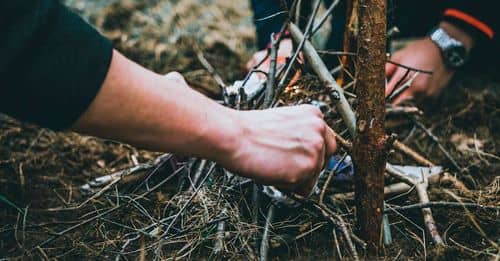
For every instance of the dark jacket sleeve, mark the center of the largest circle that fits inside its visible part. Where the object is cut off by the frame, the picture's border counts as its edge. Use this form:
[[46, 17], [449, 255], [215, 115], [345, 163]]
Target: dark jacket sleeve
[[477, 17], [52, 63], [265, 27]]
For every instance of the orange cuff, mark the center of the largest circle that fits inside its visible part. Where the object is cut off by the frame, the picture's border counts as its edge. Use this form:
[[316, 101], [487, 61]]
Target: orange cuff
[[476, 23]]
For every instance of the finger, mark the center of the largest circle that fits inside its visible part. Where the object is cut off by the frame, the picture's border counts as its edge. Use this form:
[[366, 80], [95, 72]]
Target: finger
[[396, 77], [406, 95], [306, 189], [250, 64], [330, 142], [389, 69], [175, 76]]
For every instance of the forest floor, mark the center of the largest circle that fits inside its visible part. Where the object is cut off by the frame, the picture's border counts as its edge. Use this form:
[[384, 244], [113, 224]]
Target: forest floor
[[41, 170]]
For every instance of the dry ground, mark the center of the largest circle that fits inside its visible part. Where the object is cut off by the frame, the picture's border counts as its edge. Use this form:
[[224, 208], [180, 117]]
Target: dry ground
[[41, 169]]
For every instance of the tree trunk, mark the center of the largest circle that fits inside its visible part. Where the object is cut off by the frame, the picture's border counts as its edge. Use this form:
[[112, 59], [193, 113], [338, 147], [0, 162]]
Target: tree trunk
[[369, 150]]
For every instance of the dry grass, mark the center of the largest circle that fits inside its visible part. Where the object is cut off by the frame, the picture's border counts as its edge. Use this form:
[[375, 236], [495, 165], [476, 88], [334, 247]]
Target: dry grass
[[42, 170]]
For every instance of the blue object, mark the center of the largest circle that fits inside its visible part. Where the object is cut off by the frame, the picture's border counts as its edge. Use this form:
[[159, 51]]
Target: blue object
[[345, 171]]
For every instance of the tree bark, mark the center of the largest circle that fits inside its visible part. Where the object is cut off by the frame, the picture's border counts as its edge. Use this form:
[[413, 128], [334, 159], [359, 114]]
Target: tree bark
[[349, 42], [369, 150]]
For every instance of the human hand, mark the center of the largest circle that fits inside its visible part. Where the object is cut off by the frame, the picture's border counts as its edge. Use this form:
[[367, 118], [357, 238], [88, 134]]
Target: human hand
[[285, 147], [425, 55]]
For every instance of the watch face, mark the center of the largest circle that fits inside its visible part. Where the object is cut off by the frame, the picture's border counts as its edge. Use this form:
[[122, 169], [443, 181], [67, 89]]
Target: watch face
[[455, 56]]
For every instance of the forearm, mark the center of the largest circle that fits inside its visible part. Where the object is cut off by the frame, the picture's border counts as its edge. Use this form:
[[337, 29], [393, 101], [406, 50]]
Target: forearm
[[152, 111]]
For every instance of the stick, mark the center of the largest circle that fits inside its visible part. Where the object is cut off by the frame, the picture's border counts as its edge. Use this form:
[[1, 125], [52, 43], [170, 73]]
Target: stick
[[329, 178], [264, 244], [322, 20], [268, 98], [436, 140], [442, 204], [210, 69], [321, 70], [421, 187], [445, 177]]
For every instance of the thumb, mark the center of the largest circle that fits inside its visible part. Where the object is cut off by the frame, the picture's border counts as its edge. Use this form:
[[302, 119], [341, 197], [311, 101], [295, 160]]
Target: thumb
[[175, 76], [389, 69], [330, 142]]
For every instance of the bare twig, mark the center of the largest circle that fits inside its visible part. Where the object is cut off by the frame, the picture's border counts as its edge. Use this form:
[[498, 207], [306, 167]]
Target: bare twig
[[421, 187], [272, 73], [409, 68], [440, 146], [443, 204], [210, 69], [323, 19], [412, 153], [264, 244], [403, 88], [319, 67], [330, 177]]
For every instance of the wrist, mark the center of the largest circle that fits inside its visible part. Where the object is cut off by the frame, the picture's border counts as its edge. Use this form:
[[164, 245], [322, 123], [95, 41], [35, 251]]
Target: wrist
[[223, 134], [459, 34]]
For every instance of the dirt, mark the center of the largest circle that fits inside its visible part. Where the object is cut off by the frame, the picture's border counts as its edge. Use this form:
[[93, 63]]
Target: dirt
[[41, 169]]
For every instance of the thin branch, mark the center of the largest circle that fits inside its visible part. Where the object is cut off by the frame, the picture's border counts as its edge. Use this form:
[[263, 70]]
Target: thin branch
[[268, 98], [440, 146], [264, 244], [319, 67], [270, 16], [323, 19], [442, 204], [330, 177], [409, 68], [210, 69]]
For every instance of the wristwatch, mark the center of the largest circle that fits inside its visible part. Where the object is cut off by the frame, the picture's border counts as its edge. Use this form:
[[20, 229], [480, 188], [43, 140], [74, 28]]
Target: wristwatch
[[453, 51]]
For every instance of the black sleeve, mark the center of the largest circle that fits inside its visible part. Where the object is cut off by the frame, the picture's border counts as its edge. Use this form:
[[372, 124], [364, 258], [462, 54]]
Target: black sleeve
[[265, 27], [52, 63], [477, 17]]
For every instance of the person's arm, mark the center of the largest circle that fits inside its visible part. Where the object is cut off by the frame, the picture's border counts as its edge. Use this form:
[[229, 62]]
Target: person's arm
[[425, 55], [58, 72], [469, 22], [284, 146]]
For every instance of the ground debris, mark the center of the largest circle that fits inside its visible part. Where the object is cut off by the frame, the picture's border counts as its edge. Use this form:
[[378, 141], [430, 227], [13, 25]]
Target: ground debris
[[210, 215]]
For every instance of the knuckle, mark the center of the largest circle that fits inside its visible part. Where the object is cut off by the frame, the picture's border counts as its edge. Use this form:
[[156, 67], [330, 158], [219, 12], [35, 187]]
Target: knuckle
[[317, 144], [316, 111], [176, 76], [293, 180], [311, 166], [318, 125], [312, 109]]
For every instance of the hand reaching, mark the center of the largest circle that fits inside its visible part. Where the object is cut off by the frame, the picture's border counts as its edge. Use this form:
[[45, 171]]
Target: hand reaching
[[421, 54]]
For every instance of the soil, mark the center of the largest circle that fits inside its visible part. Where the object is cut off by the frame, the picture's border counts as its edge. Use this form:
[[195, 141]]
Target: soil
[[41, 169]]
